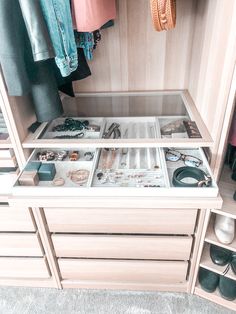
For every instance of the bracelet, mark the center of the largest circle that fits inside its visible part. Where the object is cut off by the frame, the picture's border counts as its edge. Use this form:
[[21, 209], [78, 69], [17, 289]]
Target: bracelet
[[78, 176], [190, 172], [58, 182]]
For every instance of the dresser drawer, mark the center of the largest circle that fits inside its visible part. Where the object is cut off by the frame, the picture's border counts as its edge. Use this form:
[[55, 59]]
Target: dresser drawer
[[121, 220], [15, 219], [151, 272], [127, 247], [19, 267], [19, 244]]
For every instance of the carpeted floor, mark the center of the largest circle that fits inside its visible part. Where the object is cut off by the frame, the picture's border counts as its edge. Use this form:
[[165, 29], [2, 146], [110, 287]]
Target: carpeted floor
[[52, 301]]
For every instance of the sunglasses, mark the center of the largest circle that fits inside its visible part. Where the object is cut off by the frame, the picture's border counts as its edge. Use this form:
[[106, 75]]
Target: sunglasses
[[191, 161]]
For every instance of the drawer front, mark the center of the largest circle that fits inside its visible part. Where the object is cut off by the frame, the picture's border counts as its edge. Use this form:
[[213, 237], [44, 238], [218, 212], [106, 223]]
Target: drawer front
[[23, 267], [127, 247], [17, 244], [152, 272], [121, 220], [15, 219]]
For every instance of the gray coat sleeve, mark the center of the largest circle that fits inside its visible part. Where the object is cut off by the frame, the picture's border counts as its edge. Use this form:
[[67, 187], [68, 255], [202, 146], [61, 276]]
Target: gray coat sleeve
[[39, 37]]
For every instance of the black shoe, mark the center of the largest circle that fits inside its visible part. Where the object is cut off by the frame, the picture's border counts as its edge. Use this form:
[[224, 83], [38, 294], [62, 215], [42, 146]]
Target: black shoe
[[219, 255], [208, 280], [233, 263], [227, 288]]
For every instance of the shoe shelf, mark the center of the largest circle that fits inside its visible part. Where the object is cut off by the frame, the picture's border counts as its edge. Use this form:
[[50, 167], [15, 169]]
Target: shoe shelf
[[227, 188], [212, 239], [171, 112], [207, 263], [214, 297], [124, 171]]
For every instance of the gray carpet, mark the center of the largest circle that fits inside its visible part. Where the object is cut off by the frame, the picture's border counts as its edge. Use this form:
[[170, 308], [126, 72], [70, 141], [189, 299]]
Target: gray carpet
[[52, 301]]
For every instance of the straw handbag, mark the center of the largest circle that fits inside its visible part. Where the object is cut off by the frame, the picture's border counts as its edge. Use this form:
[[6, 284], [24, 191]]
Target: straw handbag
[[163, 14]]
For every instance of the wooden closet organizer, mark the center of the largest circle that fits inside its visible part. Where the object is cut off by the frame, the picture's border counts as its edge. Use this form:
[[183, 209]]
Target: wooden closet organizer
[[127, 236]]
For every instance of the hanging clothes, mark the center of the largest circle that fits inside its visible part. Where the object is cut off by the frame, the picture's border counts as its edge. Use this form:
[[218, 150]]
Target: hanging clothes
[[57, 14], [40, 40], [23, 75], [83, 71], [90, 15]]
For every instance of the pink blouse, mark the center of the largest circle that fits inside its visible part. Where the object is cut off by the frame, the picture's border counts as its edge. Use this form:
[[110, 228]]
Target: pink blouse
[[90, 15]]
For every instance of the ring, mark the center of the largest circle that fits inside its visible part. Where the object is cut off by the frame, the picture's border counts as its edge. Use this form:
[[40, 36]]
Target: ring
[[61, 155], [88, 156]]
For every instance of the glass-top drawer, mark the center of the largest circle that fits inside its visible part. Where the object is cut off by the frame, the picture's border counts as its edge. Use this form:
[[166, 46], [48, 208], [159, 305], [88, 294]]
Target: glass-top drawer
[[143, 119], [126, 171]]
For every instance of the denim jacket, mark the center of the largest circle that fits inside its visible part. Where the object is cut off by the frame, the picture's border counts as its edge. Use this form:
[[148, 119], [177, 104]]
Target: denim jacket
[[58, 18]]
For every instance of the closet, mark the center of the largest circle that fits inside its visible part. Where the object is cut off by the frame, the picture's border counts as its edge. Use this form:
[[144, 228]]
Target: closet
[[144, 81]]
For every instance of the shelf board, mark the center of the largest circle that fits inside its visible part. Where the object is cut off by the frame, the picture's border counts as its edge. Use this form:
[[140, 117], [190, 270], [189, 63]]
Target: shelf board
[[227, 188], [207, 263], [215, 297], [212, 239], [5, 143]]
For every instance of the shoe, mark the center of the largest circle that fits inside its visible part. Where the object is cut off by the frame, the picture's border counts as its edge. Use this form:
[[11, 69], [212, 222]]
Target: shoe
[[224, 229], [208, 280], [233, 262], [219, 255], [227, 288]]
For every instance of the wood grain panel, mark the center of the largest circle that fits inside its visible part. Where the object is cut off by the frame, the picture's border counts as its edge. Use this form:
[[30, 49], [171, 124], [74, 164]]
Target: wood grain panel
[[133, 56], [121, 220], [124, 271], [19, 267], [19, 244], [212, 63], [15, 219], [127, 247]]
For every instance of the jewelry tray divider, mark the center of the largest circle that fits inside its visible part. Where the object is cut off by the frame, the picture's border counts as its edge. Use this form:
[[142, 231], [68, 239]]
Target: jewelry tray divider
[[130, 127], [48, 132], [94, 188], [131, 167]]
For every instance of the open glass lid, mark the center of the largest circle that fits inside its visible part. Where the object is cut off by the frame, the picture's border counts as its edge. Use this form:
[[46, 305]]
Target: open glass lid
[[109, 120]]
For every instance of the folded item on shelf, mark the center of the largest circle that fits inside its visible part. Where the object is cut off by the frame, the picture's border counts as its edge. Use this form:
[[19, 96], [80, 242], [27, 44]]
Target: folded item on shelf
[[8, 169]]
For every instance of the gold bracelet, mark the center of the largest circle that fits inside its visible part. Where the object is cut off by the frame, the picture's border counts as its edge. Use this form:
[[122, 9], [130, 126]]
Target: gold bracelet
[[58, 182], [78, 176]]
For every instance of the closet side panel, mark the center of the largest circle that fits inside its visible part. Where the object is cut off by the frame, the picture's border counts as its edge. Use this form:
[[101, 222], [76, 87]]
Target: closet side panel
[[133, 56], [212, 63]]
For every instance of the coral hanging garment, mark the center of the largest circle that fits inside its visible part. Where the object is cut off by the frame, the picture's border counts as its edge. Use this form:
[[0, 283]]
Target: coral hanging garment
[[90, 15]]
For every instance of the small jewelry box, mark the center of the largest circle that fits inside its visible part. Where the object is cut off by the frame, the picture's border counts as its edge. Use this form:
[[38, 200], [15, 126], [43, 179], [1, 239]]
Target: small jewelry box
[[33, 165], [29, 178], [47, 172]]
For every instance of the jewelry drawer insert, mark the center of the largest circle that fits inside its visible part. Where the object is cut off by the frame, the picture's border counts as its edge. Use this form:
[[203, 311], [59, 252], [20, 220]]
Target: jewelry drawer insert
[[124, 171]]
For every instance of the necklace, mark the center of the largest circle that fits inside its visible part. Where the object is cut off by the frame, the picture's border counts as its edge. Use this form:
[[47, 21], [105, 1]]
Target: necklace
[[78, 135]]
